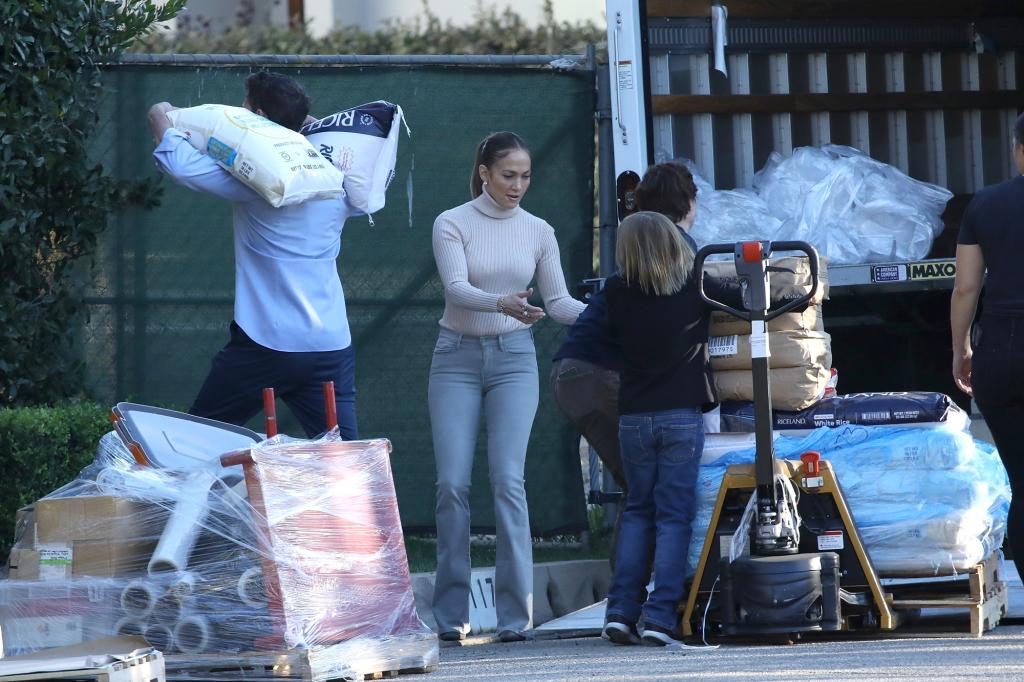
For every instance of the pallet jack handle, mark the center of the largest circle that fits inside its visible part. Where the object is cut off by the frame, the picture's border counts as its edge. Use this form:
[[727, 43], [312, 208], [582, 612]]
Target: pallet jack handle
[[771, 535], [749, 257]]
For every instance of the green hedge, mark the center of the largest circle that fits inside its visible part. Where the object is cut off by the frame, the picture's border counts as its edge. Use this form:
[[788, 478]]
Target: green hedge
[[485, 30], [41, 449]]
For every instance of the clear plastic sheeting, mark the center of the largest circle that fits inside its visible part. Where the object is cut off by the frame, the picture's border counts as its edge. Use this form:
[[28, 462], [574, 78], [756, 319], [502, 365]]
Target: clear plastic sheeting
[[729, 215], [850, 207], [304, 558], [926, 501]]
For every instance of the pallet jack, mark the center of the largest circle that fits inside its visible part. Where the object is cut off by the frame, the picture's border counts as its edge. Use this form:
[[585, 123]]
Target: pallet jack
[[782, 554]]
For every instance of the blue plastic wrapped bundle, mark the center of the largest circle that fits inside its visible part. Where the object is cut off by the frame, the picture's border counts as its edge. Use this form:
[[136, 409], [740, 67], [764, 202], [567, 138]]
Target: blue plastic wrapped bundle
[[925, 501]]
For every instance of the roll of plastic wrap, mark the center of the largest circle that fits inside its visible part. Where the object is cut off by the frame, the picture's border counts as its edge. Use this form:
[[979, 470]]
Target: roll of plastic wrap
[[159, 636], [129, 626], [183, 526], [183, 585], [192, 635], [138, 483], [251, 588], [167, 610], [138, 598]]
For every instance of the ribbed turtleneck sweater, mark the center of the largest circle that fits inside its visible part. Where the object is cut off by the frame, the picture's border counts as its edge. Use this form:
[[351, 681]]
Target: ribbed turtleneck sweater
[[484, 251]]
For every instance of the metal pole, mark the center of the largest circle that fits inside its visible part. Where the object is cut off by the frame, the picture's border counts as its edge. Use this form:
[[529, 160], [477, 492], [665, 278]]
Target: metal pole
[[564, 61], [607, 211]]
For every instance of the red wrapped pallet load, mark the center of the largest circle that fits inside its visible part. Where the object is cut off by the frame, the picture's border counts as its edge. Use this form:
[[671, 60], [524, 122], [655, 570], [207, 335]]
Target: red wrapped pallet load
[[335, 538]]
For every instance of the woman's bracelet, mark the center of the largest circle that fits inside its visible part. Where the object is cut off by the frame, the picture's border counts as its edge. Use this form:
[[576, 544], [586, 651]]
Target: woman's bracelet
[[501, 306]]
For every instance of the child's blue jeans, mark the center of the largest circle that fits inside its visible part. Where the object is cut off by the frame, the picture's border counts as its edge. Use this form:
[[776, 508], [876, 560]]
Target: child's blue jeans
[[660, 455]]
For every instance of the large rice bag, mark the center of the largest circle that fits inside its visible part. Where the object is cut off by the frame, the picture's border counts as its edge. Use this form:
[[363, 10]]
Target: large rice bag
[[792, 388], [794, 348], [868, 409], [790, 279], [278, 163], [722, 323], [362, 142]]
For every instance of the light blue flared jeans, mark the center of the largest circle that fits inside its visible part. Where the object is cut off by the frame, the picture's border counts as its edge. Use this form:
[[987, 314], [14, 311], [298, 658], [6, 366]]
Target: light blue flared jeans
[[493, 376]]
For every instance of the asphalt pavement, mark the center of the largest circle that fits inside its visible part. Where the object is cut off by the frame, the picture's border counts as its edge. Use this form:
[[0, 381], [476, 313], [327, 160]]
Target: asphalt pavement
[[998, 655]]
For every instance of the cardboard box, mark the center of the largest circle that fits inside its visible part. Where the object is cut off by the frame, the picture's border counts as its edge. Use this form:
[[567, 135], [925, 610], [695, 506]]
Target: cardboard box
[[69, 519], [92, 558], [24, 527], [23, 564], [96, 602], [788, 349], [721, 323], [111, 558]]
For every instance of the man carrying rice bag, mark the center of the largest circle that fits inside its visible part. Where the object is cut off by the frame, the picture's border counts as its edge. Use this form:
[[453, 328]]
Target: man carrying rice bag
[[290, 327]]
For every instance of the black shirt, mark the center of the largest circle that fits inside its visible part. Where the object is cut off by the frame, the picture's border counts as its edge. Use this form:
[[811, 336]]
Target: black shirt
[[588, 338], [665, 344], [994, 220]]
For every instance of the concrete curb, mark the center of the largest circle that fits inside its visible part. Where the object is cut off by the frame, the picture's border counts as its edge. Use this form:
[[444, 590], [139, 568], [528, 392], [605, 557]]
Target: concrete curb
[[559, 587]]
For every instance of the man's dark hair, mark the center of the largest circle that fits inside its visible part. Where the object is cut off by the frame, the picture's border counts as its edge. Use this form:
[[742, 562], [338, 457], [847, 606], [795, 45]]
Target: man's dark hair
[[280, 98], [1018, 130], [667, 188]]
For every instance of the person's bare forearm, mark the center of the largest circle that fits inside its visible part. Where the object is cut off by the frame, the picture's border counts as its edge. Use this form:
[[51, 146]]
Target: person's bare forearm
[[962, 306]]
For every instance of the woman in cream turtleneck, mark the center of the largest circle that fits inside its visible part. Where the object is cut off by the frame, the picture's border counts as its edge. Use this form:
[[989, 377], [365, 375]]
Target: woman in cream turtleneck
[[488, 250]]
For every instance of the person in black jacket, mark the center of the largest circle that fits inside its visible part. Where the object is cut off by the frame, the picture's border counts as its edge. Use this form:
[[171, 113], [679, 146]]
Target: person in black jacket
[[656, 314], [585, 370]]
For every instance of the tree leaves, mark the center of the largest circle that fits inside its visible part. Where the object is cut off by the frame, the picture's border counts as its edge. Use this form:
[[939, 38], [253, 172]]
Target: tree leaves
[[55, 200], [489, 32]]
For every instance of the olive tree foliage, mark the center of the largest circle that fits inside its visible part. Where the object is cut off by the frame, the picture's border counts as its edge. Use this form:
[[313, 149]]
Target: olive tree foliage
[[54, 199], [487, 31]]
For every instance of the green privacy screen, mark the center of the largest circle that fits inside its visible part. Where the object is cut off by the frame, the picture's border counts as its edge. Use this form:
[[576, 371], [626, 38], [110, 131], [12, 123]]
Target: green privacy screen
[[162, 293]]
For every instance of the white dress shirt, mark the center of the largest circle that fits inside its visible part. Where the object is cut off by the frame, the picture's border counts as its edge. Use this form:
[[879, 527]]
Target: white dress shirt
[[288, 295]]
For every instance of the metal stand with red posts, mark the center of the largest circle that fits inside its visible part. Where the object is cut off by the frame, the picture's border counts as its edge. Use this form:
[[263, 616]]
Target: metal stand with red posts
[[270, 410], [330, 405], [243, 458]]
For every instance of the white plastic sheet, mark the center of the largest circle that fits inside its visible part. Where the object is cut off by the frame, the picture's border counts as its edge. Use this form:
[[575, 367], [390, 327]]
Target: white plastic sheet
[[850, 207], [317, 564], [926, 501]]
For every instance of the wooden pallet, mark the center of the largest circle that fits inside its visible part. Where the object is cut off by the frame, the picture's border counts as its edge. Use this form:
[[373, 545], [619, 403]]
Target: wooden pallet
[[351, 660], [983, 594]]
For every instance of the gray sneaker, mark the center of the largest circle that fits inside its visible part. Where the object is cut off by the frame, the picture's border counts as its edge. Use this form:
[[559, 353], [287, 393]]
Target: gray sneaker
[[655, 635], [618, 631]]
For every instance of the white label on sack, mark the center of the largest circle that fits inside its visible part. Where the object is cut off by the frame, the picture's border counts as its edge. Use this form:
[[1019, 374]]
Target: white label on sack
[[723, 346], [830, 539], [758, 341], [277, 163], [55, 562]]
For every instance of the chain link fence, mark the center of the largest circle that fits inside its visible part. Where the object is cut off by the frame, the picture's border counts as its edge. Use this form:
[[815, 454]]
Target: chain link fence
[[161, 297]]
